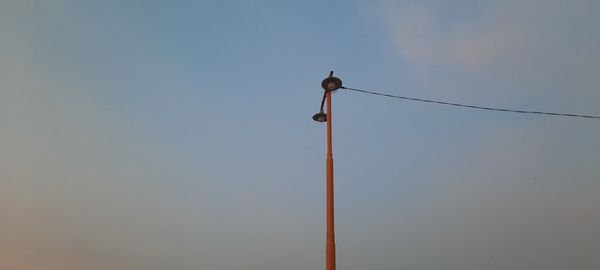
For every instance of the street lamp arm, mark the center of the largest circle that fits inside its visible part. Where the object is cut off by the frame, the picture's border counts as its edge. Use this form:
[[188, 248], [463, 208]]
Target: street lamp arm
[[323, 101]]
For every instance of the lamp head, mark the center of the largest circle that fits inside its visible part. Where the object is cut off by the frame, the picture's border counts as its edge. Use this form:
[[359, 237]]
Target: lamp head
[[320, 117], [331, 84]]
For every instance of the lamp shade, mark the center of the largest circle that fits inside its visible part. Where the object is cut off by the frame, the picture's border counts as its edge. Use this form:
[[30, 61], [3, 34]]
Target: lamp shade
[[331, 84], [320, 117]]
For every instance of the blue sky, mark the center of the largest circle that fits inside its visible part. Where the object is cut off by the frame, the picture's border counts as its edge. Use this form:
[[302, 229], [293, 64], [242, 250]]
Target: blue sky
[[178, 134]]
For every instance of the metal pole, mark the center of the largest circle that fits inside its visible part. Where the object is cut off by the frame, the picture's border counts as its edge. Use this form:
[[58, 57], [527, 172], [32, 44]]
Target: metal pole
[[330, 242], [329, 84]]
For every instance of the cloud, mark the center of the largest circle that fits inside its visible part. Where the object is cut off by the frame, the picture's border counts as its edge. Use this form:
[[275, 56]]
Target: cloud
[[516, 53], [489, 32]]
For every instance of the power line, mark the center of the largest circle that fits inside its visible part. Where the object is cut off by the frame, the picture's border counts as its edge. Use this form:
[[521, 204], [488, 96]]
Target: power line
[[471, 106]]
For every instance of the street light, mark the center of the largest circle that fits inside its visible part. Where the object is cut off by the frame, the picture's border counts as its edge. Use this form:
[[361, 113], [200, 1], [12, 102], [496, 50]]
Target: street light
[[329, 84], [320, 117]]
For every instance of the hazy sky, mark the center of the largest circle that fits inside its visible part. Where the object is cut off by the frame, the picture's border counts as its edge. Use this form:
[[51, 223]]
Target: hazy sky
[[178, 135]]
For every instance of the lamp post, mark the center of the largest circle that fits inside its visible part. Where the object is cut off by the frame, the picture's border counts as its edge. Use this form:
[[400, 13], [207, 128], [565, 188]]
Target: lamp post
[[329, 84]]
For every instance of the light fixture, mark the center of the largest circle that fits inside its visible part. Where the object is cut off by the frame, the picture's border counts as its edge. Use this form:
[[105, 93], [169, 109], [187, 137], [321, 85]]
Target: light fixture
[[320, 117], [331, 83]]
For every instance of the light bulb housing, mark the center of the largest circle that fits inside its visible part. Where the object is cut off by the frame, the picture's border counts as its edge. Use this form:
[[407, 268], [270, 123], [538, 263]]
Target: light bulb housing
[[320, 117], [331, 84]]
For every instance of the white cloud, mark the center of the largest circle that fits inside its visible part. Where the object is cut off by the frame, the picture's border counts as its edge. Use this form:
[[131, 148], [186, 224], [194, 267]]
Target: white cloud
[[532, 49], [428, 34]]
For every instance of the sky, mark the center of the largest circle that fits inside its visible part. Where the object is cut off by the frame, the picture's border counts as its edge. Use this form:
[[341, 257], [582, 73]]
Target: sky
[[178, 134]]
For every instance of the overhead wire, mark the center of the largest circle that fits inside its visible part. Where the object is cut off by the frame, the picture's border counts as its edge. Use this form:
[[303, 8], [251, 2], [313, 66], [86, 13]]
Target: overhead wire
[[471, 106]]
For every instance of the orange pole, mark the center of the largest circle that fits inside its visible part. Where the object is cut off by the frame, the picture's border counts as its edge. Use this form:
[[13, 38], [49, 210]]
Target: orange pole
[[330, 242]]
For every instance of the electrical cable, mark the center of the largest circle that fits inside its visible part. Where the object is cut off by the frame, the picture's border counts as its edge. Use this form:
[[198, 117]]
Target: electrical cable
[[472, 106]]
